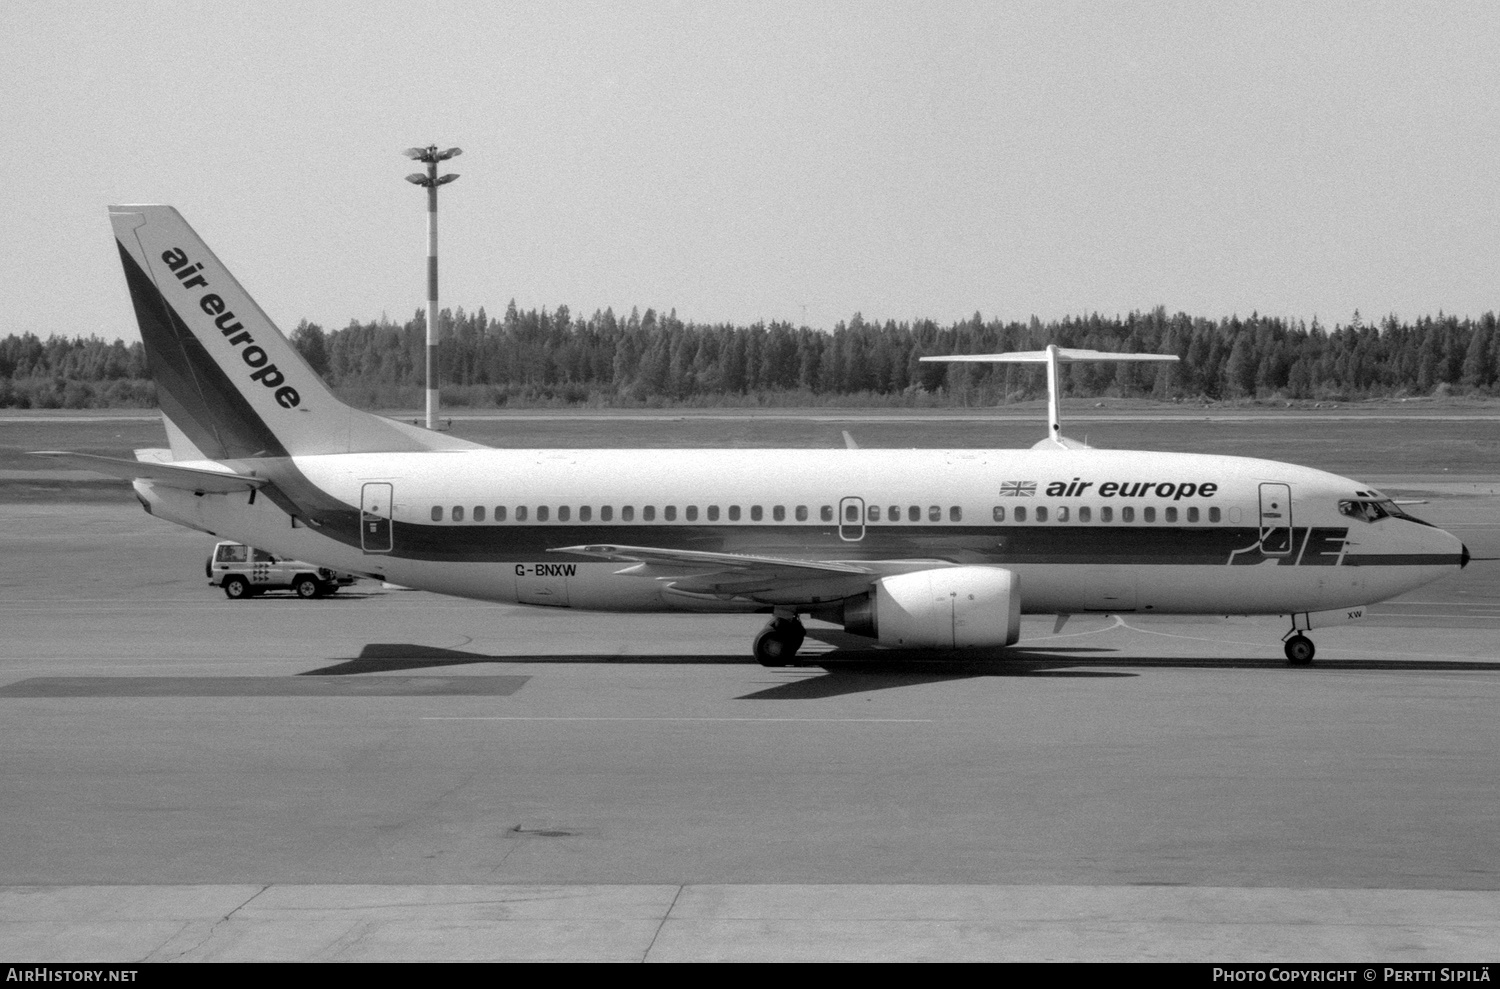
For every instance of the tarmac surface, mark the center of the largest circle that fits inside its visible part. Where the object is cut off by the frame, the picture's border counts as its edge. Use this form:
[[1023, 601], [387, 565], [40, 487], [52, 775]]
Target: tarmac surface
[[393, 775]]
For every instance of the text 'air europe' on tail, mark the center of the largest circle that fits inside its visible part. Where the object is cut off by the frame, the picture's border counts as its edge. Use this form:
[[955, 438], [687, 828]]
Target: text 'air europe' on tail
[[227, 379]]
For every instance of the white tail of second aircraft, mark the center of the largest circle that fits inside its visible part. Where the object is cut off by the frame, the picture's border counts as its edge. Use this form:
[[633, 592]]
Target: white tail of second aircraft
[[230, 384], [1053, 356]]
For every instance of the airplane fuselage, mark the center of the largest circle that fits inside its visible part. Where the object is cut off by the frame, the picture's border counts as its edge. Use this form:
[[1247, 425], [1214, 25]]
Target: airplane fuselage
[[1084, 530]]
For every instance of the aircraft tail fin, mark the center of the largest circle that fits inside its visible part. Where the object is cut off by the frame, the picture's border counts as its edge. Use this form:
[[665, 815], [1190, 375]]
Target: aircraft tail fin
[[229, 383], [1052, 357]]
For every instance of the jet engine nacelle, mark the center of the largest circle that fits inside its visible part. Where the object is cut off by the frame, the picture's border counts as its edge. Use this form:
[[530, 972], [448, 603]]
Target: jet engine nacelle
[[951, 608]]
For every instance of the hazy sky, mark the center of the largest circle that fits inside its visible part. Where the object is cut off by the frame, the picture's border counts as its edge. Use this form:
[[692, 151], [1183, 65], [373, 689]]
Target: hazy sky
[[747, 161]]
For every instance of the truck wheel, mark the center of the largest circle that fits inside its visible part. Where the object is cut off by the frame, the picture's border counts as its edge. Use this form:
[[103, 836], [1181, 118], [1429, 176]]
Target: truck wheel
[[236, 588], [307, 587]]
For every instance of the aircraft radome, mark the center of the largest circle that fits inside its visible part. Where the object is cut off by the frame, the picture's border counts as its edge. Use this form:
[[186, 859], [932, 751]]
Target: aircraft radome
[[915, 549]]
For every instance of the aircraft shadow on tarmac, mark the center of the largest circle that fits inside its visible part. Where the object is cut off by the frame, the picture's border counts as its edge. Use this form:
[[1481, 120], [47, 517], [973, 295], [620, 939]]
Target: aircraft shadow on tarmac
[[859, 670]]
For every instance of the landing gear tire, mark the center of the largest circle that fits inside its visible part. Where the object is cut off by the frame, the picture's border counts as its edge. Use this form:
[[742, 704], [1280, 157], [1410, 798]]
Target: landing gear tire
[[307, 587], [778, 642], [236, 588], [1300, 650]]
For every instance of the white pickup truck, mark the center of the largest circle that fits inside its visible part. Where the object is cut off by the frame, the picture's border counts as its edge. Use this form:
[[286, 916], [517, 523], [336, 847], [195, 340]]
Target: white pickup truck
[[244, 571]]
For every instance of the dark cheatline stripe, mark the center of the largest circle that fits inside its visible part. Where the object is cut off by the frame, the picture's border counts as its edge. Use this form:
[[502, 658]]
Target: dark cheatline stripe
[[994, 545], [1403, 560], [998, 545]]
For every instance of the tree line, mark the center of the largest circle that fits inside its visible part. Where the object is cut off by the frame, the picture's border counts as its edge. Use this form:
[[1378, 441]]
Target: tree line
[[538, 357]]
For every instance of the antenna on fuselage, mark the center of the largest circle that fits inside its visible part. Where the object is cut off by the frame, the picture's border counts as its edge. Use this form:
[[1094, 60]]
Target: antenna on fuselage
[[1052, 357]]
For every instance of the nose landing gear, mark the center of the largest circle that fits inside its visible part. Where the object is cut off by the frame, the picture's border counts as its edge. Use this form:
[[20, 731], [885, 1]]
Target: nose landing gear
[[1300, 650], [778, 642]]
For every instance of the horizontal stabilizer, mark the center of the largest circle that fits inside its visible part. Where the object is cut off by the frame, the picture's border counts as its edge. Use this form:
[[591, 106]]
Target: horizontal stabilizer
[[1064, 355], [187, 478]]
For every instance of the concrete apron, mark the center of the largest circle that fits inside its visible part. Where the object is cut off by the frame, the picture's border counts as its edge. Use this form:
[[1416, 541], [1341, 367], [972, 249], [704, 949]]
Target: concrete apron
[[744, 923]]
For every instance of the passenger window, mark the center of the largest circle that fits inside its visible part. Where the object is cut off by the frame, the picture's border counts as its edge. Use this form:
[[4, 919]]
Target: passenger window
[[261, 556], [458, 513], [851, 513], [801, 513], [999, 513], [873, 513], [585, 513], [914, 513], [893, 514], [437, 513], [1213, 515], [778, 514], [692, 513], [1127, 514], [1020, 513], [648, 513], [520, 513], [541, 513], [1062, 513], [239, 554], [1192, 514], [955, 514], [1171, 515], [499, 513], [734, 513], [1149, 514], [563, 513], [1106, 514], [627, 514], [826, 513], [606, 513], [713, 513], [1041, 513], [755, 513], [478, 513], [1085, 513], [934, 513], [670, 513]]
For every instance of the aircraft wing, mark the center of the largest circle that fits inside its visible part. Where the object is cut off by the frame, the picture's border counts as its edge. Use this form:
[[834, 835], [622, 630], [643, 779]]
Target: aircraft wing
[[726, 574], [187, 478]]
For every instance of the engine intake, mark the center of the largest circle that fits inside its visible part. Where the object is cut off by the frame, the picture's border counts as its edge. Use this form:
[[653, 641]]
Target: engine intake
[[951, 608]]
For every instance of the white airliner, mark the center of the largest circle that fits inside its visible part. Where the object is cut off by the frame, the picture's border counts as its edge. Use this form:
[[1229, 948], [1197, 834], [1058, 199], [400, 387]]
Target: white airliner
[[915, 549]]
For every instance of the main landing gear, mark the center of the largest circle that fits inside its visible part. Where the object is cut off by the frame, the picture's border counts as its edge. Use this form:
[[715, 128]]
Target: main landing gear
[[778, 642], [1300, 650]]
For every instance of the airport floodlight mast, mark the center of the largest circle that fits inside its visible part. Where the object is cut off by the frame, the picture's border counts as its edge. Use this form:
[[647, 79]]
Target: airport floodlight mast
[[430, 155]]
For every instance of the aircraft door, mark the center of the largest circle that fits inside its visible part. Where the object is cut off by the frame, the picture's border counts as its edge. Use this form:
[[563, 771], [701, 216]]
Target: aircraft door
[[375, 517], [851, 519], [1275, 519]]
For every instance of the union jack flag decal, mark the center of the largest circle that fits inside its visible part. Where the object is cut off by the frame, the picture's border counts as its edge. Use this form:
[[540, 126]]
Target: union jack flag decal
[[1017, 489]]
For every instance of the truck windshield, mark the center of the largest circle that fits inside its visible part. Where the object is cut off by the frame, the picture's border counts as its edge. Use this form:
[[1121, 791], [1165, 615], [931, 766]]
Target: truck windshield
[[234, 554]]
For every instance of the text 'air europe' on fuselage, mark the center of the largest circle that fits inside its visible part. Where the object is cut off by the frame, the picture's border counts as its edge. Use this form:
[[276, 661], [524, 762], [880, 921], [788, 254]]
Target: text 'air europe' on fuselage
[[1173, 490]]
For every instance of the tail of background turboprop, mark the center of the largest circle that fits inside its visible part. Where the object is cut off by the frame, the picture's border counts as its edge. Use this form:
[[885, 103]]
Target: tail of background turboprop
[[229, 383]]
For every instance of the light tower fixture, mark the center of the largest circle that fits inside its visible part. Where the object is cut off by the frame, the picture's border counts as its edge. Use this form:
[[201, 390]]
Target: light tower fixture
[[430, 156]]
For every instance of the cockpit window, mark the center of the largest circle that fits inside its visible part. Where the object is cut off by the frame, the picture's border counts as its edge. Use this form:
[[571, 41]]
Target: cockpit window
[[1371, 509]]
